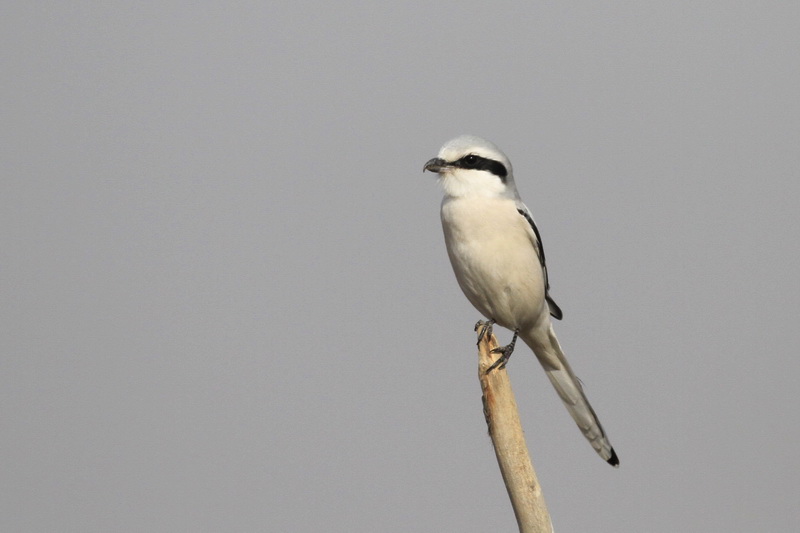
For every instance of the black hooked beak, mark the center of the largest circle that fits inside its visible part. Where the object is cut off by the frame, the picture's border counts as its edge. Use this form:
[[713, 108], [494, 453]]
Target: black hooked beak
[[436, 164]]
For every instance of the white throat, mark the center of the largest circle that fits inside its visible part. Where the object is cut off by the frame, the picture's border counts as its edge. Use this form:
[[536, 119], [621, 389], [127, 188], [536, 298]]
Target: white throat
[[461, 183]]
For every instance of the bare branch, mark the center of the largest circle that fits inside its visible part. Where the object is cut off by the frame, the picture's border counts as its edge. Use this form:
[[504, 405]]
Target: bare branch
[[502, 418]]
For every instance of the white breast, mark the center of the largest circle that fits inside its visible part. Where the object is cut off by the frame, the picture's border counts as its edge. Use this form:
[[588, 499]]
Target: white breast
[[494, 259]]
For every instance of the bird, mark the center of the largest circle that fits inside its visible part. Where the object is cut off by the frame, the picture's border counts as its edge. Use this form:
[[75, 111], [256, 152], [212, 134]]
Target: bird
[[498, 259]]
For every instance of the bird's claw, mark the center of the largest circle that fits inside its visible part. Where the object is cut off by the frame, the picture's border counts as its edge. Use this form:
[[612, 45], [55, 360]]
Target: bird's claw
[[500, 364], [505, 352], [484, 329]]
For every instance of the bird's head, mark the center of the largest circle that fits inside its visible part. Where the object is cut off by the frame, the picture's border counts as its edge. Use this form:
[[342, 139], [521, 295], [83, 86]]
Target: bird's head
[[472, 166]]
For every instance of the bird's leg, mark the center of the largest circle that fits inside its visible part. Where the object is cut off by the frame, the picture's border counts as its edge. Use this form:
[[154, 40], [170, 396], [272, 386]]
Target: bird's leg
[[484, 329], [506, 352]]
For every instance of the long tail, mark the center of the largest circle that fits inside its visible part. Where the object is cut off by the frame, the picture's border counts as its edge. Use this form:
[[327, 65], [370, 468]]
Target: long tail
[[545, 345]]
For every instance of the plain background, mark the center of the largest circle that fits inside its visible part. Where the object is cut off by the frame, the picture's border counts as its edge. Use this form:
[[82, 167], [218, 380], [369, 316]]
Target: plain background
[[226, 303]]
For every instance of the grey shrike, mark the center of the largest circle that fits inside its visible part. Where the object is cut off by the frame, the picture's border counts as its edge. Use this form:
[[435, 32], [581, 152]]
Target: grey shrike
[[498, 258]]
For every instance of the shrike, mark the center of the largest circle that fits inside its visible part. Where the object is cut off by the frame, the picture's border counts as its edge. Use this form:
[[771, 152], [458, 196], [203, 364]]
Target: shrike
[[498, 258]]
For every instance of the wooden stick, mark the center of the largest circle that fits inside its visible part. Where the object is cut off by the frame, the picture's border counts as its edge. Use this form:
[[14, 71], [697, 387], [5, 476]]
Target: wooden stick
[[502, 417]]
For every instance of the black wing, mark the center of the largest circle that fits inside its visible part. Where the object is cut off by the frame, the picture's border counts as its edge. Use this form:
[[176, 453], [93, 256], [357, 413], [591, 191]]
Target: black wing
[[555, 310]]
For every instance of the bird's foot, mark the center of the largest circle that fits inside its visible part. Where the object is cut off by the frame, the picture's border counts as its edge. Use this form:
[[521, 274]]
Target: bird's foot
[[484, 329], [505, 352]]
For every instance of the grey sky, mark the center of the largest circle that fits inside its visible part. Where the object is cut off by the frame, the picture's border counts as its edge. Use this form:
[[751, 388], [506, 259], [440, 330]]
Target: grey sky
[[226, 303]]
